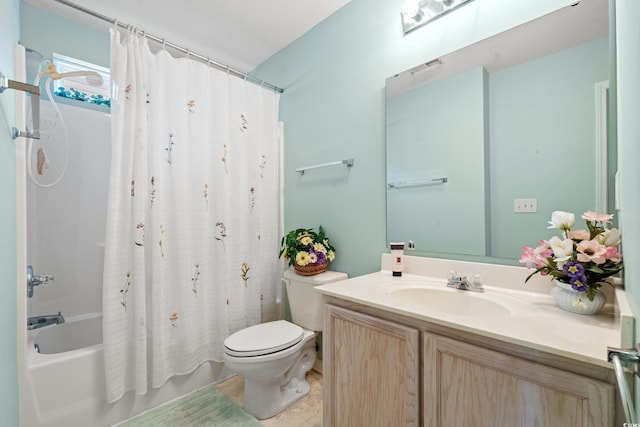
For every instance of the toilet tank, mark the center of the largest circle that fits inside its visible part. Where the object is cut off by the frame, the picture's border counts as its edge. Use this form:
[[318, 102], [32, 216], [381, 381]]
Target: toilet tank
[[305, 302]]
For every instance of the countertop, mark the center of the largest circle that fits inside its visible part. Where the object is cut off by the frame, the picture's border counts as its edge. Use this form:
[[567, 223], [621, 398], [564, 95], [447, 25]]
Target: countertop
[[533, 319]]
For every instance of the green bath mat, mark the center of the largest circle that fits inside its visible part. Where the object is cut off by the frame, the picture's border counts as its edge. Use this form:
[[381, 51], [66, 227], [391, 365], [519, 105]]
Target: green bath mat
[[202, 408]]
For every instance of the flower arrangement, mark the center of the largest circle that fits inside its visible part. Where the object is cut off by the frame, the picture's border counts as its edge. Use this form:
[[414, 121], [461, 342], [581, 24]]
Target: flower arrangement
[[304, 249], [581, 258]]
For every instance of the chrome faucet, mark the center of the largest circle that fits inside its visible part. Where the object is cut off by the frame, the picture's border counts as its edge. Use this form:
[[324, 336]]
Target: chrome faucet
[[37, 322], [464, 284]]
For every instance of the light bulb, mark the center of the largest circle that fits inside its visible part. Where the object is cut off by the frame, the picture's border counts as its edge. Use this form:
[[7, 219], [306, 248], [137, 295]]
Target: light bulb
[[411, 10]]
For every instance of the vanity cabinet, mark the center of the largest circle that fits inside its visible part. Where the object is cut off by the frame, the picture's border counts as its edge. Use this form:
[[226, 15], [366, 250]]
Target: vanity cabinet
[[385, 369], [467, 385], [371, 371]]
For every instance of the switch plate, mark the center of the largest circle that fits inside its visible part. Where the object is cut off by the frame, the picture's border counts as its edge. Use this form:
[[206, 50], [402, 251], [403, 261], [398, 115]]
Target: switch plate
[[525, 205]]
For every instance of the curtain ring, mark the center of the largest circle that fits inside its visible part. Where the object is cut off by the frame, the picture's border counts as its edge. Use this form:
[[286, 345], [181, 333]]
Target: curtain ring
[[245, 76], [228, 70], [164, 46], [187, 54]]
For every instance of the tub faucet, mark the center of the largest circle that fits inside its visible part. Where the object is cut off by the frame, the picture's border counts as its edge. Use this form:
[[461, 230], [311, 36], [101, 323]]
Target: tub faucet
[[464, 284], [37, 322]]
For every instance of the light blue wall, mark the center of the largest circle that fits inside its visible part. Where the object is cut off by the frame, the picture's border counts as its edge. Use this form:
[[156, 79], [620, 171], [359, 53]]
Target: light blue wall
[[48, 33], [628, 66], [438, 130], [9, 34], [333, 108], [543, 141]]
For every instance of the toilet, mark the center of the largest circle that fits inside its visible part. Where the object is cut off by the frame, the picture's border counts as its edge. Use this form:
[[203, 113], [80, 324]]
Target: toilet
[[274, 357]]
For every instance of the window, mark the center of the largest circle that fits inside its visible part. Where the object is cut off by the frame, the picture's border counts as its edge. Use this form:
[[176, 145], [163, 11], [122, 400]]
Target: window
[[81, 88]]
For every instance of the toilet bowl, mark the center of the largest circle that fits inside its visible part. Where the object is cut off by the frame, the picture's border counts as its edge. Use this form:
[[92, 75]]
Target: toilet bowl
[[274, 357]]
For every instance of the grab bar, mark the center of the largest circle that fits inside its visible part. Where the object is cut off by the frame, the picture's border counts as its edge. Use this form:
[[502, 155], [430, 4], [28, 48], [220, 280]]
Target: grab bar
[[623, 358], [348, 162]]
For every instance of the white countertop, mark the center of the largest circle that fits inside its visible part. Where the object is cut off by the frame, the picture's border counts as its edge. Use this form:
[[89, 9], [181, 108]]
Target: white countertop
[[533, 319]]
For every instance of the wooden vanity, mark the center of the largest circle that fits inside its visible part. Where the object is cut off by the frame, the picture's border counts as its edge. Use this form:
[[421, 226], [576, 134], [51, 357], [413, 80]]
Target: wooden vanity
[[390, 365]]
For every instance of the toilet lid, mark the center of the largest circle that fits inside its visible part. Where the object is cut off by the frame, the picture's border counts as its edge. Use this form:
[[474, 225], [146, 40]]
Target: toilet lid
[[264, 338]]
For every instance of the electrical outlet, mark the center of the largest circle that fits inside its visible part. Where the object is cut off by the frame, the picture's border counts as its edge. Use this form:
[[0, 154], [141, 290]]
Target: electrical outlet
[[525, 205]]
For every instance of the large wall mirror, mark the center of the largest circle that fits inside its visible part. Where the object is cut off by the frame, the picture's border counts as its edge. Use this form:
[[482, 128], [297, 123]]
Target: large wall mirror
[[516, 122]]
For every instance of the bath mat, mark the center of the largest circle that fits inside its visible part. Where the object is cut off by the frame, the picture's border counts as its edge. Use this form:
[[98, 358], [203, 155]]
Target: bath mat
[[202, 408]]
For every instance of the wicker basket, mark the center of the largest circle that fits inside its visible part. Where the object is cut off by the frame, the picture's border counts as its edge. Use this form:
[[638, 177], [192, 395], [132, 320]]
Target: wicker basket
[[310, 269]]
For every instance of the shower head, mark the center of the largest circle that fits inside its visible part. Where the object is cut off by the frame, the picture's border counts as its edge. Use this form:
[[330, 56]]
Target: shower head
[[93, 78]]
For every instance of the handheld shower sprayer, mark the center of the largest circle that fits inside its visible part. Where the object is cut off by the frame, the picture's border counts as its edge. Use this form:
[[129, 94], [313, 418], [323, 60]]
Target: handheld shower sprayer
[[51, 73], [93, 78]]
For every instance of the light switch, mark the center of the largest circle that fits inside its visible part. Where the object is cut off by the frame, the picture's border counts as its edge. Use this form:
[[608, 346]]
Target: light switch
[[525, 205]]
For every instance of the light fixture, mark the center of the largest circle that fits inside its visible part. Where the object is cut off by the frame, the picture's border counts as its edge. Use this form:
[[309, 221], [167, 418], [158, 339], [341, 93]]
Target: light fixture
[[416, 13]]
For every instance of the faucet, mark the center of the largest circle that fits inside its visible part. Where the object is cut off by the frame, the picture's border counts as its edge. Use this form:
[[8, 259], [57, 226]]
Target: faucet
[[463, 284], [37, 322]]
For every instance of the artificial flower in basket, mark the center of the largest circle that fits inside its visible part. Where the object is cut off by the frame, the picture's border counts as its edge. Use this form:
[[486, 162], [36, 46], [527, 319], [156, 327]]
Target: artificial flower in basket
[[582, 258], [306, 251]]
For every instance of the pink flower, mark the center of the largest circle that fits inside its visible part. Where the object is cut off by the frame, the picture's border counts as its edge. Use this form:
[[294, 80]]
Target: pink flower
[[537, 256], [612, 254], [591, 250], [579, 235], [593, 216]]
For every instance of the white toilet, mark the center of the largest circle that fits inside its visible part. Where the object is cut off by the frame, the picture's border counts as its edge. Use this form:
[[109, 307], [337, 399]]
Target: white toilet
[[274, 357]]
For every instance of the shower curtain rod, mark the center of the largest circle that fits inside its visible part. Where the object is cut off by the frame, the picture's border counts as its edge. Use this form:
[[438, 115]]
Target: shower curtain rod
[[184, 50]]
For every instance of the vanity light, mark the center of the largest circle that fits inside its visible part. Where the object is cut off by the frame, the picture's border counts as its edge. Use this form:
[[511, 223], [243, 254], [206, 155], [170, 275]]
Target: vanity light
[[416, 13], [411, 11]]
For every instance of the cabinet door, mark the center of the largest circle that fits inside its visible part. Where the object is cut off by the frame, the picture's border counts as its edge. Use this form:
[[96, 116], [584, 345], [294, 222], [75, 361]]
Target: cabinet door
[[466, 385], [370, 371]]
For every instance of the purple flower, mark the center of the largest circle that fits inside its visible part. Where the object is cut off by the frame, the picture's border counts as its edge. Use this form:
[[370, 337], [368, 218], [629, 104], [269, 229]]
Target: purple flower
[[321, 257], [579, 283], [573, 269]]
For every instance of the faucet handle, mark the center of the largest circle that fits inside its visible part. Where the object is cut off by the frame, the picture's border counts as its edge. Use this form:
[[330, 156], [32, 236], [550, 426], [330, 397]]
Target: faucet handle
[[475, 283]]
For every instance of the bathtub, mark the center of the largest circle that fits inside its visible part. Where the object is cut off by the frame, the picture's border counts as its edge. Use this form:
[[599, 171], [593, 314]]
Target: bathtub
[[65, 380]]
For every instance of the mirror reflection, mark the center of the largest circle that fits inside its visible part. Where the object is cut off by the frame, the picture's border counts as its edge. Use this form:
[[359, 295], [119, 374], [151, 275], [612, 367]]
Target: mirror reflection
[[484, 143]]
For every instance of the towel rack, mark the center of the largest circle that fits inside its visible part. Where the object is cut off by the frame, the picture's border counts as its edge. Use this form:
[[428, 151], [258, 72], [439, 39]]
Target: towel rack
[[34, 91], [348, 162], [418, 183], [623, 358]]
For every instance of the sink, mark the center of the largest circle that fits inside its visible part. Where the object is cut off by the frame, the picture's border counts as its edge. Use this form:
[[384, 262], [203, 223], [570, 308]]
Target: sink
[[450, 301]]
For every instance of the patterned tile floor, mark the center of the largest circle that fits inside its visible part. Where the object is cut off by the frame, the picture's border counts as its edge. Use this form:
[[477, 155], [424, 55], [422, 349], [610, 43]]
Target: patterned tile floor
[[307, 412]]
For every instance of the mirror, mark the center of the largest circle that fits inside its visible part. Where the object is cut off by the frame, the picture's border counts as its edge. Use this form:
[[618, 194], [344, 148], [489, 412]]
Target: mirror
[[483, 144]]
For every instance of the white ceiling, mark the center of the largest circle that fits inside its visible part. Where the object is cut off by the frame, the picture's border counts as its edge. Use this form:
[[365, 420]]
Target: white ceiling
[[238, 33]]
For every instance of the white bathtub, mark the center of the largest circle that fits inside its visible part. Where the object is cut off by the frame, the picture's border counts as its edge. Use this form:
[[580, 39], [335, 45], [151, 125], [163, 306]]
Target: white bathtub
[[66, 382]]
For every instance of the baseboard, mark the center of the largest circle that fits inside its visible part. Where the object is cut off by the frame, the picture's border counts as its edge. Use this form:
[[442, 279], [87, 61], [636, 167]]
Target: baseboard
[[317, 366]]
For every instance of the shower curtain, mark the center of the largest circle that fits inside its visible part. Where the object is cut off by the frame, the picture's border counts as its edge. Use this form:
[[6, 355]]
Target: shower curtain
[[191, 249]]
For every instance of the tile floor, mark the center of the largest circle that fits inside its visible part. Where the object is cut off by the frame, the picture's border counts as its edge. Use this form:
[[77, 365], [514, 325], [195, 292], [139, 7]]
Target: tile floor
[[307, 412]]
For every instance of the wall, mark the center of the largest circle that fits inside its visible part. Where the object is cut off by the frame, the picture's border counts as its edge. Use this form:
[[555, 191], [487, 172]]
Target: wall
[[628, 66], [9, 34], [438, 130], [558, 93], [41, 31], [333, 109]]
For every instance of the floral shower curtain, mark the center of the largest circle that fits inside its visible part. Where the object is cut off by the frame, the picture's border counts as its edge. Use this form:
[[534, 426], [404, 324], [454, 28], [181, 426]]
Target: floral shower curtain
[[192, 228]]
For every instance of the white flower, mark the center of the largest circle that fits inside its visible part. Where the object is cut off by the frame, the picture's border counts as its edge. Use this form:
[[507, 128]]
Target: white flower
[[562, 220], [611, 237], [562, 249], [319, 247]]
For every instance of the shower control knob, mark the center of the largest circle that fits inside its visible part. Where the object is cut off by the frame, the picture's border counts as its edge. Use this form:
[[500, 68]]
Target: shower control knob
[[36, 280]]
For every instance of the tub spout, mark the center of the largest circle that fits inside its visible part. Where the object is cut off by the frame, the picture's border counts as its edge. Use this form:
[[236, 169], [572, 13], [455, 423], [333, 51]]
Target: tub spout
[[42, 321]]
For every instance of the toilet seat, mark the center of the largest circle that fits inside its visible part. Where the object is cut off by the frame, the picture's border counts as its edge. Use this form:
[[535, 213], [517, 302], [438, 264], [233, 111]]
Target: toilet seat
[[262, 339]]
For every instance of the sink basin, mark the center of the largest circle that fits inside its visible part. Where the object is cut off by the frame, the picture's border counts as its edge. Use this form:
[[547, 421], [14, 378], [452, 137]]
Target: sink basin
[[450, 301]]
